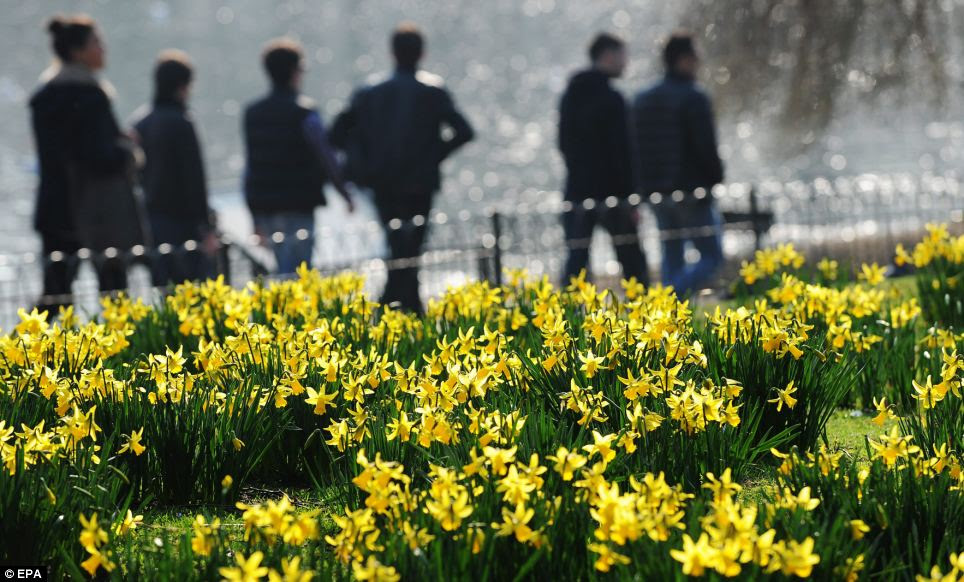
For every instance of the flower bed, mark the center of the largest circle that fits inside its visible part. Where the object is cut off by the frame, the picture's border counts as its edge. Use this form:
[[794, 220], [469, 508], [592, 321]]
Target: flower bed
[[513, 432]]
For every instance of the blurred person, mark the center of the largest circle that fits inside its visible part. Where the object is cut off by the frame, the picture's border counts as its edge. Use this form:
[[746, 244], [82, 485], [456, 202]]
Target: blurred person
[[173, 176], [85, 198], [395, 136], [594, 138], [289, 159], [678, 158]]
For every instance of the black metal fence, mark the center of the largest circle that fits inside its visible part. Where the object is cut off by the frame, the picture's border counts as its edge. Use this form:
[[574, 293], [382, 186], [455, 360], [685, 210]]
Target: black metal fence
[[855, 219]]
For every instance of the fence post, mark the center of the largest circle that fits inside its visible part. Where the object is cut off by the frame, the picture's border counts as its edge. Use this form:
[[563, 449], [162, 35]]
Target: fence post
[[497, 248], [223, 259], [755, 214]]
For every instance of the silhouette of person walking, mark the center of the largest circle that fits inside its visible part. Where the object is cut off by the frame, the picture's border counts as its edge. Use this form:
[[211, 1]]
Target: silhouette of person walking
[[85, 198], [393, 134], [594, 138], [678, 158], [173, 177], [289, 159]]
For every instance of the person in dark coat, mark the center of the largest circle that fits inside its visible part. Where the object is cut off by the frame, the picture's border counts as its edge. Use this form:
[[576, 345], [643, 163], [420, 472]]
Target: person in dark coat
[[289, 160], [678, 158], [77, 138], [393, 134], [594, 138], [172, 177]]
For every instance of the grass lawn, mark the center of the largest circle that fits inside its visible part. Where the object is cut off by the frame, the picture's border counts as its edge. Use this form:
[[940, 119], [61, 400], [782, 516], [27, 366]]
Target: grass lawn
[[847, 432], [173, 521]]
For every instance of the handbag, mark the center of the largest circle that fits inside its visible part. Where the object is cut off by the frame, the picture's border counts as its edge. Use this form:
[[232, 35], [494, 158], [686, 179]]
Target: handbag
[[108, 213]]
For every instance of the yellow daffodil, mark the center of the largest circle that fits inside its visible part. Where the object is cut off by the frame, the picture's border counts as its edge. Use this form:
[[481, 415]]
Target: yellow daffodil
[[247, 570], [134, 443], [784, 397]]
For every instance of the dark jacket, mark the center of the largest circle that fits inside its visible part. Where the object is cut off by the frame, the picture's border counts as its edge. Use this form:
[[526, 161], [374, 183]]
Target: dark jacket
[[284, 173], [74, 130], [676, 137], [173, 174], [594, 139], [392, 133]]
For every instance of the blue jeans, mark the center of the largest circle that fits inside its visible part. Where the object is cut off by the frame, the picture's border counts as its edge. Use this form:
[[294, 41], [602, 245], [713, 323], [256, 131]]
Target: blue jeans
[[292, 251], [671, 217]]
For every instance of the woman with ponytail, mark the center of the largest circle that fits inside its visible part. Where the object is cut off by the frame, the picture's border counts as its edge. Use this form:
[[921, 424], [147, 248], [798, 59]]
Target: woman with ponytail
[[85, 198]]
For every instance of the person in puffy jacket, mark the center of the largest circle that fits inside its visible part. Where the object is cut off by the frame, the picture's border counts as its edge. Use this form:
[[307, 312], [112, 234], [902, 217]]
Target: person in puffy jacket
[[594, 138], [678, 159]]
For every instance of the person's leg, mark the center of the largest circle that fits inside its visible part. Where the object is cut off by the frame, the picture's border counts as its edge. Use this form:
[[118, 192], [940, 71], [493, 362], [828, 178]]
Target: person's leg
[[409, 244], [270, 226], [111, 273], [405, 244], [299, 229], [58, 275], [403, 277], [285, 251], [189, 265], [291, 251], [413, 243], [709, 245], [162, 266], [620, 223], [673, 244], [200, 265], [266, 226], [395, 240], [577, 226]]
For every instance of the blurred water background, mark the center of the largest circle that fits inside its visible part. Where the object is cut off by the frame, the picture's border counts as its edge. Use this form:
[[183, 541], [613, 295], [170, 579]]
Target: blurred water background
[[506, 62]]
